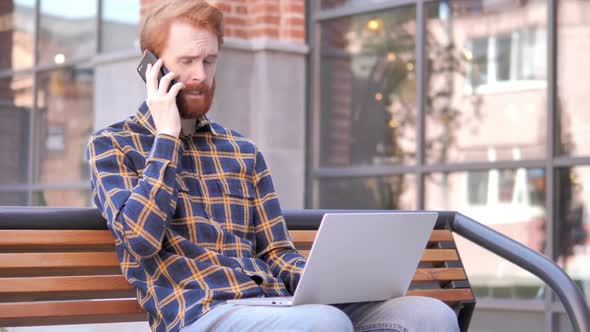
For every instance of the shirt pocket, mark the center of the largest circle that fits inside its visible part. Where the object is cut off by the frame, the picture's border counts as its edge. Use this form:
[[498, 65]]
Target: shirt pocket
[[188, 205], [232, 205]]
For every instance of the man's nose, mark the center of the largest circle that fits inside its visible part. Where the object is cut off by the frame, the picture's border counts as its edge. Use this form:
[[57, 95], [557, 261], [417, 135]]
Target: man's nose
[[198, 72]]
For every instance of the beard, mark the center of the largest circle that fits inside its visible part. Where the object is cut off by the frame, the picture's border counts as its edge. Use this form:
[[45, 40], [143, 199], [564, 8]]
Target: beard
[[191, 107]]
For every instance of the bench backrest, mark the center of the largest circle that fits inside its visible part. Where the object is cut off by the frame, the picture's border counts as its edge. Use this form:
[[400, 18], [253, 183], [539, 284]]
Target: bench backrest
[[72, 276]]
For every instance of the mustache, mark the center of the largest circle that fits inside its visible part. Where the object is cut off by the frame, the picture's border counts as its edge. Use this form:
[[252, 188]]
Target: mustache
[[200, 87]]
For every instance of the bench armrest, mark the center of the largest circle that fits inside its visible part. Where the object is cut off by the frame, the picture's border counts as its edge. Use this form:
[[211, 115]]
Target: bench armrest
[[530, 260]]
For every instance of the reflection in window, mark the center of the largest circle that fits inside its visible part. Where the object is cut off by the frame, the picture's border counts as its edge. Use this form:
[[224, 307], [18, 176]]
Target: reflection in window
[[503, 57], [55, 141], [490, 275], [17, 19], [390, 193], [532, 51], [477, 183], [60, 198], [64, 103], [479, 61], [536, 186], [16, 99], [368, 89], [573, 49], [506, 185], [513, 56], [328, 4], [573, 225], [484, 80], [67, 30], [14, 198]]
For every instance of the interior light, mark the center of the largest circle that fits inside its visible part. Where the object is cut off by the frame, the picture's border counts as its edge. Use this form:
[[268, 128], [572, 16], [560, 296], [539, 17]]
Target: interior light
[[59, 58], [374, 24], [468, 55]]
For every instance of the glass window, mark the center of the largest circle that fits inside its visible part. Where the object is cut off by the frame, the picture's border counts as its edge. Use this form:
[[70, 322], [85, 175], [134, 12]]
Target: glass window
[[120, 21], [573, 47], [507, 180], [17, 27], [521, 219], [67, 30], [16, 99], [63, 124], [531, 53], [516, 56], [13, 198], [477, 186], [503, 53], [479, 61], [328, 4], [368, 89], [70, 198], [476, 103], [573, 225], [389, 193], [563, 323]]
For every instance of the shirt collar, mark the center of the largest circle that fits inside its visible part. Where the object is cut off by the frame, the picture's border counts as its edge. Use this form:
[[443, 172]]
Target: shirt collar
[[145, 118]]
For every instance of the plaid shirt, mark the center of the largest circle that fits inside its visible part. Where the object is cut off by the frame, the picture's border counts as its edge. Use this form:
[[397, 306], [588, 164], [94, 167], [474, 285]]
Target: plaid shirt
[[196, 219]]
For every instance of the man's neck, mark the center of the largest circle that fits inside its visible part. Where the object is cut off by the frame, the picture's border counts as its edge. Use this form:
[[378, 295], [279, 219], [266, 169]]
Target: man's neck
[[188, 126]]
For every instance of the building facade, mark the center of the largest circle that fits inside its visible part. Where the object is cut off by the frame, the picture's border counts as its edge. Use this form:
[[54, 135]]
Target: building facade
[[476, 106]]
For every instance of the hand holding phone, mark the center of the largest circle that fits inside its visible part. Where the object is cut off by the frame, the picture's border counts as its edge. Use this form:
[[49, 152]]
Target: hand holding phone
[[162, 91], [150, 57]]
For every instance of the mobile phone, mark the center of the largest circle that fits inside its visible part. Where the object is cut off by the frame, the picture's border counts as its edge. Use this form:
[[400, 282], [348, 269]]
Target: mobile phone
[[151, 57]]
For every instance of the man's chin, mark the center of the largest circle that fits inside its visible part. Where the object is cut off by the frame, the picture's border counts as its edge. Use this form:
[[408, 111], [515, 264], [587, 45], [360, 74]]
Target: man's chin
[[193, 110], [193, 114]]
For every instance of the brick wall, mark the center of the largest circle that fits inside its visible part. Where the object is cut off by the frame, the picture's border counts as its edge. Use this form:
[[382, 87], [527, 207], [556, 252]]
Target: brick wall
[[249, 19]]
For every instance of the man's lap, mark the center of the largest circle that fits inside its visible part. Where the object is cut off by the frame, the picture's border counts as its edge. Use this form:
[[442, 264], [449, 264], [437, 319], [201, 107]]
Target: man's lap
[[404, 314]]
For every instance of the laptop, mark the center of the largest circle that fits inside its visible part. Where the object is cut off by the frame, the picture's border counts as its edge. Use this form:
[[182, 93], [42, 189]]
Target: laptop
[[359, 257]]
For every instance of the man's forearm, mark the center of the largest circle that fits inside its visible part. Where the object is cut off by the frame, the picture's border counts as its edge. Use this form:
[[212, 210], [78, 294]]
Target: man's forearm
[[138, 207], [287, 265]]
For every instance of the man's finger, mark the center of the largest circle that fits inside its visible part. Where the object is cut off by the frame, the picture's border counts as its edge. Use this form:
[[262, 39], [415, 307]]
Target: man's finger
[[176, 89], [148, 82], [165, 82], [153, 76]]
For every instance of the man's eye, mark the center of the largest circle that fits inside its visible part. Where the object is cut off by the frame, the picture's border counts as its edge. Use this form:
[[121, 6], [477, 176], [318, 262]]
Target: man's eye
[[186, 61]]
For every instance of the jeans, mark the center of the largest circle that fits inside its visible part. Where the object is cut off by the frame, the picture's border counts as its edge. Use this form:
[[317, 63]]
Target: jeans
[[403, 314]]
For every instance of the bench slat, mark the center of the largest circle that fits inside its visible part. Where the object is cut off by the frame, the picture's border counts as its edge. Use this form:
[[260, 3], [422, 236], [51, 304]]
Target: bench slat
[[10, 261], [445, 295], [118, 283], [63, 284], [440, 235], [69, 308], [442, 274], [439, 255], [47, 238], [84, 238], [78, 238]]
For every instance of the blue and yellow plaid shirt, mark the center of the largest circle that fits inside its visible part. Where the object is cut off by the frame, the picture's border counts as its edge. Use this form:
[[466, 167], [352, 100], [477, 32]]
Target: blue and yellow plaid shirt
[[196, 219]]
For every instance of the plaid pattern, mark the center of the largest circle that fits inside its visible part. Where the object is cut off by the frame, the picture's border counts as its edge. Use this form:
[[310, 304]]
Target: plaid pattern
[[196, 219]]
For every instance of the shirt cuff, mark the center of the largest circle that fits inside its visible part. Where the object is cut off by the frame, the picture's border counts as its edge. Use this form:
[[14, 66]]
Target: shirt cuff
[[166, 147]]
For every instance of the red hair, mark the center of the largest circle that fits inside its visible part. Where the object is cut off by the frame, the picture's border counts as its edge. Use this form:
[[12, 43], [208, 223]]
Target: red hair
[[155, 25]]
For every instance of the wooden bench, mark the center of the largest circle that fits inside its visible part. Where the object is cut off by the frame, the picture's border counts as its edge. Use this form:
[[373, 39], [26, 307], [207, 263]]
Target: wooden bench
[[59, 266]]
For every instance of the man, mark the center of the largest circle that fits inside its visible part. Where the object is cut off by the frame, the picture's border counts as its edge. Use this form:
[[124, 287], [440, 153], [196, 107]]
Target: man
[[192, 207]]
